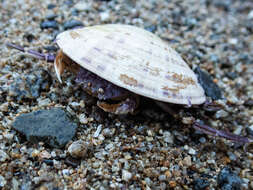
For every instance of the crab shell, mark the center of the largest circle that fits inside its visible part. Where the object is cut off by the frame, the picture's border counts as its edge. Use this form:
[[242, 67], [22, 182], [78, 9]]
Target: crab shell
[[134, 59]]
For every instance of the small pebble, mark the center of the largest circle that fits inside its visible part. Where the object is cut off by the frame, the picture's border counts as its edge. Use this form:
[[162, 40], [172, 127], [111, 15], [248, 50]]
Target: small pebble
[[250, 130], [4, 107], [2, 181], [72, 24], [83, 119], [221, 114], [200, 184], [162, 178], [78, 149], [45, 154], [49, 24], [51, 16], [228, 179], [51, 6], [43, 102], [250, 15], [3, 156], [107, 132], [187, 161], [192, 151], [104, 16], [126, 175], [82, 6], [97, 132]]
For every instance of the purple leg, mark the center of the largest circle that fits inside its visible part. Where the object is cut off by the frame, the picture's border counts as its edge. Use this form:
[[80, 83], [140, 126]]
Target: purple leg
[[211, 107], [205, 128], [214, 132], [46, 57]]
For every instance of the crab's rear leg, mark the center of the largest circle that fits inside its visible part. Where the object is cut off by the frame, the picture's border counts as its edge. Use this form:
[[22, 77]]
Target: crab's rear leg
[[214, 132], [129, 105], [207, 129]]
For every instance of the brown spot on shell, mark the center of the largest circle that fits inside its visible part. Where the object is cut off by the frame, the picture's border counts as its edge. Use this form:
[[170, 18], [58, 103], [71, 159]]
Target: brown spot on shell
[[154, 71], [74, 34], [179, 78], [176, 89], [128, 80]]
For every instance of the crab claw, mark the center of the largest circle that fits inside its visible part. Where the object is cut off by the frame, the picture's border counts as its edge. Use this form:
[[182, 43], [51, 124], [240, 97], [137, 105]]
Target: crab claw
[[127, 106], [58, 70]]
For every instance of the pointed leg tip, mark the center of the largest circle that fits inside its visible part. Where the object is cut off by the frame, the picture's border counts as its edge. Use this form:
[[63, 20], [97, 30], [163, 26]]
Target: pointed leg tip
[[58, 72]]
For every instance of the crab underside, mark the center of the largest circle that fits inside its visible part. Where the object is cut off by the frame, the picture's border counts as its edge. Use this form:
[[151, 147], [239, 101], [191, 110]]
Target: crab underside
[[111, 98]]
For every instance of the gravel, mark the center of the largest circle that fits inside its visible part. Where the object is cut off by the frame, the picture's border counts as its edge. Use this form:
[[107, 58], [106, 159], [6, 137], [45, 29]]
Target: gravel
[[149, 150]]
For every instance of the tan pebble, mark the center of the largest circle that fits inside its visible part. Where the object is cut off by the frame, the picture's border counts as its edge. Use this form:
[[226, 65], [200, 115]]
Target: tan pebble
[[176, 173], [35, 153], [45, 154], [43, 188], [251, 184], [126, 175], [226, 160], [78, 149], [3, 156], [168, 174], [4, 107], [187, 120], [187, 161], [172, 184], [15, 155]]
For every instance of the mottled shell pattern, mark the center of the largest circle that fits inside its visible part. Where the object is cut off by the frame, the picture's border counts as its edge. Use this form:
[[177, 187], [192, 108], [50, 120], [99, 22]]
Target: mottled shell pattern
[[134, 59]]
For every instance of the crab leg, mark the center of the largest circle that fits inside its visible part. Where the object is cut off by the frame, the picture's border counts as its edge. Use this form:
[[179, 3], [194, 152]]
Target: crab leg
[[46, 57], [205, 128], [214, 132], [126, 106]]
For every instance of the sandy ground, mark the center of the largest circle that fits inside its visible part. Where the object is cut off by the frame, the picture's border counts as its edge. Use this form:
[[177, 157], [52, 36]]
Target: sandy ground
[[150, 150]]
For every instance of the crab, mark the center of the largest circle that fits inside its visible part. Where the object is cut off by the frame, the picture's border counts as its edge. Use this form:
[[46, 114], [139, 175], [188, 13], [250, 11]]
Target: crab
[[119, 63]]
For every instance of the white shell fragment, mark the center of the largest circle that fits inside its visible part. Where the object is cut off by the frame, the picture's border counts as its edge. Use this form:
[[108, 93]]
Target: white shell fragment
[[134, 59]]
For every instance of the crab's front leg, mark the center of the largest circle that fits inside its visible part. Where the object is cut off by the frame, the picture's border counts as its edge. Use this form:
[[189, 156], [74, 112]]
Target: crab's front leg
[[129, 105], [38, 55]]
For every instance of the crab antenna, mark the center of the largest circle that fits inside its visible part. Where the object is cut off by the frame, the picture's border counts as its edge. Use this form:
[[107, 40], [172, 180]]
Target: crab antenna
[[214, 132], [46, 57]]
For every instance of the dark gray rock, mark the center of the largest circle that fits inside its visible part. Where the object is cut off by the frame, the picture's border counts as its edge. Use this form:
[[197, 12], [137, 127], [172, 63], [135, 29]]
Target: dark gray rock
[[53, 127], [211, 89], [29, 86], [72, 24], [228, 180], [51, 16], [200, 184], [49, 24], [51, 6]]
